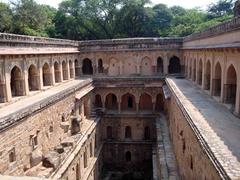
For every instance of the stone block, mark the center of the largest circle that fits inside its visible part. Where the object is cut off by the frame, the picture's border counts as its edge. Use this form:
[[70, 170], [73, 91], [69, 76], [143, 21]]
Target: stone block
[[51, 160], [36, 157]]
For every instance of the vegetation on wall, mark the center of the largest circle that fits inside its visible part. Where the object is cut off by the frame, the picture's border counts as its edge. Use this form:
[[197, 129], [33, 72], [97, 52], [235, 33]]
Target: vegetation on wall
[[107, 19]]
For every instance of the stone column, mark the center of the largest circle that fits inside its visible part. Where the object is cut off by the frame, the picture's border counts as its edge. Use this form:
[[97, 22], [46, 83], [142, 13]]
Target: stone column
[[41, 77], [52, 74], [68, 70], [119, 107], [8, 87], [73, 69], [25, 79], [60, 72], [165, 64]]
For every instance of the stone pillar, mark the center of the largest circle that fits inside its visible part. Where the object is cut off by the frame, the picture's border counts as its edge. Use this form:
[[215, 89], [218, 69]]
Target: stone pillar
[[203, 74], [25, 79], [52, 74], [8, 87], [119, 107], [60, 72], [154, 107], [165, 64], [40, 77], [68, 71], [73, 69]]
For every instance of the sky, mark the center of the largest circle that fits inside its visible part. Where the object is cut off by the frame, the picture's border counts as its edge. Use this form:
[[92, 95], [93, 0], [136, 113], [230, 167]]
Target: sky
[[184, 3]]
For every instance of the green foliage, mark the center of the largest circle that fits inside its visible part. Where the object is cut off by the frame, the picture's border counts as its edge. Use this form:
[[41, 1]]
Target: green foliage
[[5, 18], [106, 19]]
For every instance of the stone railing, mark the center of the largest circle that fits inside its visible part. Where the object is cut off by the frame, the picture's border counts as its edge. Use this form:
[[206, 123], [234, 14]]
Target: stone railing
[[131, 44], [16, 40], [228, 26]]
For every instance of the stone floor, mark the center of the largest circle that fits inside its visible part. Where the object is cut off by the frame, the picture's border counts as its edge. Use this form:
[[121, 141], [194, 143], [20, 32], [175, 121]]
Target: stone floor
[[166, 160], [218, 126]]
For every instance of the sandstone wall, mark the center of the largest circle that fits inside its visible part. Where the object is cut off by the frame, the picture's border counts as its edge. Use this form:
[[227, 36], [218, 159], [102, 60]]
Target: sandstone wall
[[193, 162]]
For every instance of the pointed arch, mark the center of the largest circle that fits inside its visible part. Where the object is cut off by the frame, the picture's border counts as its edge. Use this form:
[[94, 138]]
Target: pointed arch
[[174, 65], [33, 78], [17, 82], [145, 102]]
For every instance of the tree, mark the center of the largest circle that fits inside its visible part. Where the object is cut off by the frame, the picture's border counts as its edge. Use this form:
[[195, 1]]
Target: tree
[[222, 7], [5, 18]]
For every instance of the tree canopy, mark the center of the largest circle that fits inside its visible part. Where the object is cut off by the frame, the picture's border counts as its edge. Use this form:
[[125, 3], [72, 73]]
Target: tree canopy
[[107, 19]]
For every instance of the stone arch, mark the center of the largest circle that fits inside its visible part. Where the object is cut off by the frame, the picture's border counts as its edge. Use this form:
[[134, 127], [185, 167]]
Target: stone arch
[[159, 102], [217, 80], [87, 67], [160, 65], [114, 68], [146, 66], [147, 133], [17, 82], [77, 71], [33, 78], [128, 102], [71, 69], [145, 102], [111, 102], [46, 75], [128, 132], [65, 70], [231, 86], [200, 70], [57, 72], [100, 66], [98, 101], [174, 65], [208, 75]]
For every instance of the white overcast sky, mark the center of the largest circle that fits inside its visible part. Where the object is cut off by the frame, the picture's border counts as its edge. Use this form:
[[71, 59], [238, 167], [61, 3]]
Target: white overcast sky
[[184, 3]]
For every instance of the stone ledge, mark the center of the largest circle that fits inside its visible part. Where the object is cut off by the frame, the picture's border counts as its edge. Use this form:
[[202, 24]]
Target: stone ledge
[[223, 160], [12, 118]]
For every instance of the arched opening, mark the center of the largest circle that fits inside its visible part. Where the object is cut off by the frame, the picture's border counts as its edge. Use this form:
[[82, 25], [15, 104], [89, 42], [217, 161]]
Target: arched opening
[[71, 69], [17, 82], [65, 70], [160, 65], [194, 70], [159, 103], [98, 101], [109, 132], [200, 67], [111, 102], [128, 156], [146, 66], [87, 68], [217, 80], [46, 75], [208, 76], [78, 172], [145, 102], [231, 86], [128, 102], [57, 72], [76, 64], [100, 66], [33, 78], [128, 132], [174, 65], [147, 133]]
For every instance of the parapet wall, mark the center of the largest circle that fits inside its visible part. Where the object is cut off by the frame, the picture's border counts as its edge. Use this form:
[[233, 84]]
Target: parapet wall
[[16, 40], [222, 28], [131, 44]]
